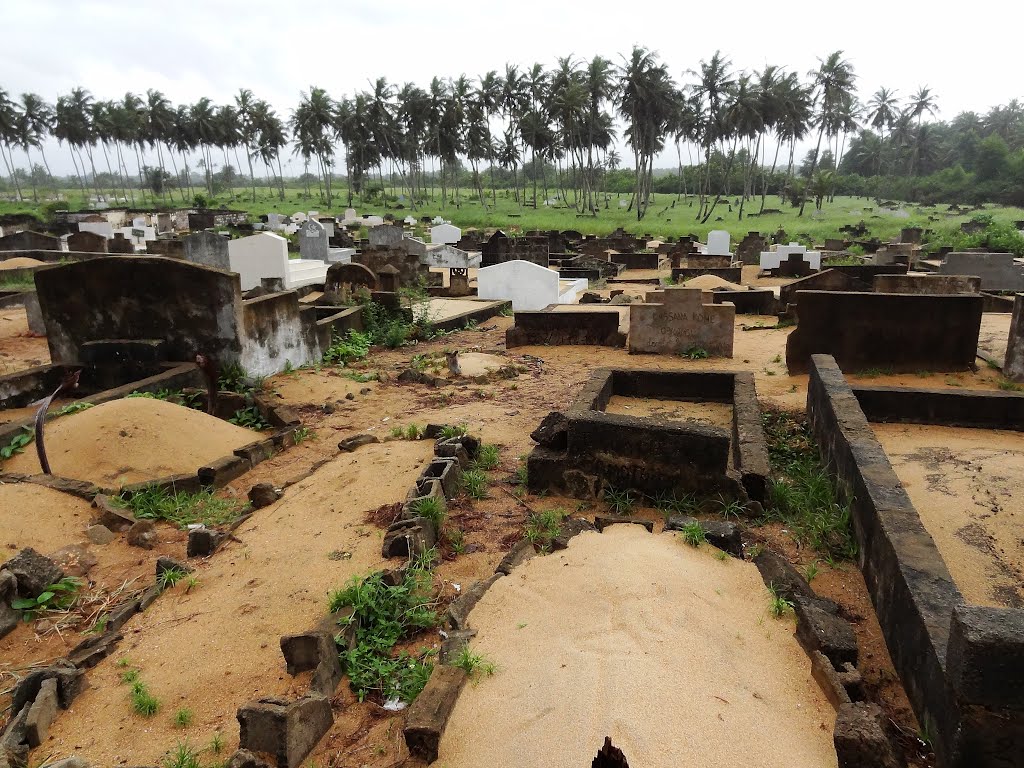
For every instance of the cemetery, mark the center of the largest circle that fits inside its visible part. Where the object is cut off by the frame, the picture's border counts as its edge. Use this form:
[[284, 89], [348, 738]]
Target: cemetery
[[792, 472]]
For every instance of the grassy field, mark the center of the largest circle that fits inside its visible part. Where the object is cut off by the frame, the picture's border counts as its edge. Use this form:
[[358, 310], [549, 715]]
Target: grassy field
[[663, 219]]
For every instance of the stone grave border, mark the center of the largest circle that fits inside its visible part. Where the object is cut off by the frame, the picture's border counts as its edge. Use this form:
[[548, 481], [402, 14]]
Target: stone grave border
[[548, 328], [550, 464], [961, 665]]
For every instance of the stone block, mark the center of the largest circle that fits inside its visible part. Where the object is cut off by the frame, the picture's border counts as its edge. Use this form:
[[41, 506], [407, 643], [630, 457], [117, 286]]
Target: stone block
[[203, 542], [861, 740], [603, 521], [778, 574], [428, 715], [41, 714], [674, 320], [287, 730], [457, 615], [33, 572], [818, 629]]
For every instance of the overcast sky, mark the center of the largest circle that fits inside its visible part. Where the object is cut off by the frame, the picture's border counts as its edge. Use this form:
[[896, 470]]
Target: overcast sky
[[968, 54]]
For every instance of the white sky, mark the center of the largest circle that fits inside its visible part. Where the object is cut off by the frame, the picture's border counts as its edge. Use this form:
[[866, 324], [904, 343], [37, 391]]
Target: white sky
[[968, 55]]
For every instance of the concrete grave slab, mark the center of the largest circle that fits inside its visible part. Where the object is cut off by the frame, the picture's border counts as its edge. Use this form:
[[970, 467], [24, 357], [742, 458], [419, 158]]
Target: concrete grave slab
[[674, 320]]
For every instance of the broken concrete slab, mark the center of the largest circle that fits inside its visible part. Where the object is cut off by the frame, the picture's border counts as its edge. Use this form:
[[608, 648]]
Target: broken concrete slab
[[33, 572], [287, 730], [428, 715], [41, 714], [818, 629], [861, 740]]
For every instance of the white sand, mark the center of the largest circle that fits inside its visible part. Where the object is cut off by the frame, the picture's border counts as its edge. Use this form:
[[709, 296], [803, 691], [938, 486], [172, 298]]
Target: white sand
[[667, 650]]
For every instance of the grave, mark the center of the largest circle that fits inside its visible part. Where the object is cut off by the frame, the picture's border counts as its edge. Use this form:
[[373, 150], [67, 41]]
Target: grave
[[265, 256], [748, 250], [102, 227], [386, 236], [450, 257], [590, 327], [328, 224], [998, 271], [772, 260], [166, 246], [87, 242], [313, 244], [27, 240], [718, 243], [346, 280], [674, 320], [340, 255], [895, 331], [120, 244], [527, 285], [445, 234], [208, 249], [927, 284]]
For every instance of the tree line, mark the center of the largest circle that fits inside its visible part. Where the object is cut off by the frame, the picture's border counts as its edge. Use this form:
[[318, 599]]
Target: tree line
[[733, 125]]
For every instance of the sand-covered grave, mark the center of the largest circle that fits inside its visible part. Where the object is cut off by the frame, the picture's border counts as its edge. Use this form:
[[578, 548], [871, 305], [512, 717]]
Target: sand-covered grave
[[20, 262], [664, 648], [132, 440], [965, 485]]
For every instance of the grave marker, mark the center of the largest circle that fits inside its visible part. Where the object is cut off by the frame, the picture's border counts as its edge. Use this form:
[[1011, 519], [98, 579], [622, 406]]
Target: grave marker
[[675, 320], [313, 245]]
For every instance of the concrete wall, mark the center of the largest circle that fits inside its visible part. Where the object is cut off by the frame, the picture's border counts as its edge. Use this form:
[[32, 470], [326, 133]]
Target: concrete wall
[[636, 260], [998, 271], [893, 331], [927, 284], [597, 328], [275, 330], [191, 308], [826, 280]]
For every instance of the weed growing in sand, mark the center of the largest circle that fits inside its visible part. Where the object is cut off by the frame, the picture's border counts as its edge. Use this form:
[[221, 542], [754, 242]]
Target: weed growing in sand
[[129, 676], [811, 571], [486, 458], [693, 534], [1008, 386], [17, 444], [729, 507], [143, 702], [778, 605], [301, 434], [522, 476], [474, 484], [182, 508], [383, 616], [192, 582], [183, 756], [183, 718], [669, 504], [695, 353], [354, 345], [456, 540], [169, 577], [473, 663], [801, 494], [397, 432], [448, 431], [721, 555], [250, 418], [621, 502], [544, 527], [55, 597], [217, 743], [430, 507], [413, 432], [506, 311]]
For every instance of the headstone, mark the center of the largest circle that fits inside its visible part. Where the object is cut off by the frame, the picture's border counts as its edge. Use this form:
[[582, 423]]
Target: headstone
[[718, 243], [675, 320], [529, 286], [276, 221], [458, 282], [350, 216], [163, 223], [346, 279], [414, 246], [410, 221], [87, 242], [120, 244], [387, 276], [208, 249], [340, 255], [328, 225], [258, 256], [298, 217], [313, 241], [139, 222], [771, 260], [445, 234], [372, 221], [386, 236], [451, 257]]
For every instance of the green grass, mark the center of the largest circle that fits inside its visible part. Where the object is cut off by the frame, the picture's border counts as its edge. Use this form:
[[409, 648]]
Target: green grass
[[487, 458], [693, 534], [474, 484], [801, 494], [621, 502], [473, 663], [448, 431], [1010, 386], [169, 577], [183, 756], [544, 527], [181, 508], [143, 702], [778, 605], [183, 718], [384, 616], [432, 508]]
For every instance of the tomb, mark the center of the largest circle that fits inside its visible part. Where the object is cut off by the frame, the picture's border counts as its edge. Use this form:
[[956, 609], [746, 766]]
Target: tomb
[[208, 249], [528, 286], [675, 320], [85, 241], [386, 236], [927, 284], [264, 256], [772, 260], [27, 240]]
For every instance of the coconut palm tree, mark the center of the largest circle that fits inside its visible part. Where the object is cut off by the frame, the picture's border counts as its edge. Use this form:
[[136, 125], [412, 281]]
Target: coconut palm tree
[[713, 92], [645, 100], [35, 122], [9, 136], [203, 119], [312, 125], [72, 124], [270, 139], [833, 89], [245, 103], [883, 109]]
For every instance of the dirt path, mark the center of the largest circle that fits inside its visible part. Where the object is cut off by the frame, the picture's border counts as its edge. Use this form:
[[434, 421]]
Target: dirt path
[[965, 484], [642, 638], [216, 647]]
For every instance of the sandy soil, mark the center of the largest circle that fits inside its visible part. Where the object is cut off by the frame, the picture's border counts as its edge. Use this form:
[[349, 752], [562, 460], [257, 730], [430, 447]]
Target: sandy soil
[[215, 648], [640, 606], [19, 349], [965, 484], [995, 331], [131, 440], [20, 262], [715, 414], [711, 281]]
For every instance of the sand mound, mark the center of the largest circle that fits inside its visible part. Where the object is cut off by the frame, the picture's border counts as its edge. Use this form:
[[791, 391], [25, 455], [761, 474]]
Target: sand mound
[[710, 282], [480, 364], [19, 262], [649, 641], [132, 440]]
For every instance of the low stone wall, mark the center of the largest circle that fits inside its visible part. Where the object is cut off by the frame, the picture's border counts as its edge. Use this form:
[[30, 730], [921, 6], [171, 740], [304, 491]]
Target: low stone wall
[[893, 331], [486, 311], [565, 328], [826, 280], [760, 301], [636, 260], [961, 666], [275, 329], [927, 284], [979, 409]]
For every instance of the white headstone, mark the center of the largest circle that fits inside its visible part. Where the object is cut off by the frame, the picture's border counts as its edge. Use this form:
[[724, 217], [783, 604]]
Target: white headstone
[[444, 234], [258, 256], [313, 240], [298, 217], [718, 243], [529, 286], [98, 227], [328, 225], [372, 221], [774, 259], [438, 220], [410, 220], [350, 216], [340, 255], [450, 257], [139, 222]]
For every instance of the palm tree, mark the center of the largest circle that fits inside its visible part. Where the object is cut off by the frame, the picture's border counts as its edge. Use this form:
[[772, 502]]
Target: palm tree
[[645, 101], [9, 136], [247, 129], [833, 84], [159, 118], [921, 102], [312, 125], [35, 122], [99, 113], [271, 139], [203, 119], [72, 124], [883, 109], [712, 93]]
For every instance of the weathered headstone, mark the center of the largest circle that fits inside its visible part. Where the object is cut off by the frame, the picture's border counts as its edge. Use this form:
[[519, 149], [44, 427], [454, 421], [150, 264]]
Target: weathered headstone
[[386, 236], [313, 240], [998, 271], [718, 243], [675, 320], [87, 242], [208, 249]]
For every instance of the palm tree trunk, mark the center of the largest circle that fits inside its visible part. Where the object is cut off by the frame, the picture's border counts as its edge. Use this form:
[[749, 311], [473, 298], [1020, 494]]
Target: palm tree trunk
[[32, 177], [764, 184], [814, 165]]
